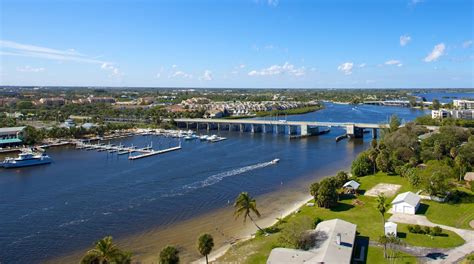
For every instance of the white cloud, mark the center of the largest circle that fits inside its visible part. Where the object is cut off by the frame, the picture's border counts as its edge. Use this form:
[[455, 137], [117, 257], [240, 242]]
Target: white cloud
[[241, 66], [11, 48], [286, 68], [174, 66], [272, 2], [158, 75], [30, 69], [346, 68], [362, 65], [370, 81], [181, 74], [207, 76], [114, 71], [394, 62], [466, 44], [404, 39], [437, 52]]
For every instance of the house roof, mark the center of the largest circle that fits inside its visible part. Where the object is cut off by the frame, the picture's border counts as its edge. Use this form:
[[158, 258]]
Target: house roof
[[11, 130], [327, 250], [390, 224], [469, 176], [407, 197], [353, 184]]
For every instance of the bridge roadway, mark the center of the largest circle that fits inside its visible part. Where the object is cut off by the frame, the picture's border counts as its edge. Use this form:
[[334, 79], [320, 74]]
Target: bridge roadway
[[291, 127]]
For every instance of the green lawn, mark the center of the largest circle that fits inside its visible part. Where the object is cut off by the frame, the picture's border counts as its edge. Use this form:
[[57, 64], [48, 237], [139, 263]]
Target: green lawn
[[457, 215], [364, 214], [375, 255]]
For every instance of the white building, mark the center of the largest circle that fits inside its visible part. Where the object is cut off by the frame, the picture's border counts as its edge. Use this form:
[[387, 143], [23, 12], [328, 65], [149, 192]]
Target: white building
[[390, 228], [463, 104], [456, 114], [406, 203], [335, 246]]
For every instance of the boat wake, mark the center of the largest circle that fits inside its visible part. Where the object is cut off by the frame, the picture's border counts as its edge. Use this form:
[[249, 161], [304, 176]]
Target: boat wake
[[211, 180]]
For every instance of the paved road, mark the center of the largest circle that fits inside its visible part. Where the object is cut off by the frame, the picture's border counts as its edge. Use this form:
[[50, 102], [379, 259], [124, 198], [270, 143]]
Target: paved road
[[452, 255]]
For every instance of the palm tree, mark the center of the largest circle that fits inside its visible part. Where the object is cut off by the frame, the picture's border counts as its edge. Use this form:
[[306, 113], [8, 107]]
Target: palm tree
[[244, 205], [461, 162], [169, 255], [205, 245], [104, 251], [373, 153], [382, 206]]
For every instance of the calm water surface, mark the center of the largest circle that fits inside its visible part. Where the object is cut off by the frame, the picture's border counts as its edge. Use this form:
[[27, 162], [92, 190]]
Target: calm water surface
[[47, 211]]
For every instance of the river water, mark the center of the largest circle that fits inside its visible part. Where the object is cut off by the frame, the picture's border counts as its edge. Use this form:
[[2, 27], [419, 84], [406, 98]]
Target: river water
[[49, 211]]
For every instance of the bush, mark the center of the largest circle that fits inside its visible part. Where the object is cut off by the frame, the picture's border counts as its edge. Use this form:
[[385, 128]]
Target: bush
[[362, 165], [417, 229], [436, 231], [472, 186], [426, 230], [411, 229], [317, 220], [268, 230]]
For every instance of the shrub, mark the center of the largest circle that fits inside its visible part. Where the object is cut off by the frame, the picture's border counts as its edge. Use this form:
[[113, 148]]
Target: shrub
[[417, 229], [426, 230], [411, 229], [436, 231], [472, 186], [317, 220]]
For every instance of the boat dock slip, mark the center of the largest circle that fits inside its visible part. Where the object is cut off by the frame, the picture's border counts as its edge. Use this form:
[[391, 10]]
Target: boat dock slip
[[152, 153]]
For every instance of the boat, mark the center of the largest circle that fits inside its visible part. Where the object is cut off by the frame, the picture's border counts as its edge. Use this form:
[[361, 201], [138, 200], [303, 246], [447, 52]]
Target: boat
[[275, 161], [188, 138], [211, 138], [25, 159], [203, 137]]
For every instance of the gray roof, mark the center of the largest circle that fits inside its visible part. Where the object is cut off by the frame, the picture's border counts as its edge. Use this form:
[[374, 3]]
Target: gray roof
[[7, 130], [353, 184], [327, 250], [407, 197]]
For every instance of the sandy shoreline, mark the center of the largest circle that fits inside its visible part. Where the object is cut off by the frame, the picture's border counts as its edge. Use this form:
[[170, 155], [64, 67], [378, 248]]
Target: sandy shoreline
[[220, 223]]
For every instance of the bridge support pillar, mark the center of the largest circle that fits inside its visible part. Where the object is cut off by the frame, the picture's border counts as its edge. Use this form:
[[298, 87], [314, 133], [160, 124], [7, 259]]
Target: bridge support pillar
[[354, 132], [280, 129], [267, 128], [291, 130], [242, 127], [374, 133], [304, 130]]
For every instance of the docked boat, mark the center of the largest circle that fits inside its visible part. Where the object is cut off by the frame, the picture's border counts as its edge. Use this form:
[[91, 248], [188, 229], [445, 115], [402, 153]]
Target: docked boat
[[275, 161], [203, 137], [26, 159]]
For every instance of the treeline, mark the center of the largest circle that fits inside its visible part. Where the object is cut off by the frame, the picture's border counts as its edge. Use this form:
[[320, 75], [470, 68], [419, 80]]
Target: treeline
[[32, 135], [433, 164], [428, 121]]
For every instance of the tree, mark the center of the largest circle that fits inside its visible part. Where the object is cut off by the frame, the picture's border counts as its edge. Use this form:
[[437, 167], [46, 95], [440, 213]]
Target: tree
[[169, 255], [245, 205], [383, 161], [436, 104], [361, 166], [205, 245], [460, 161], [382, 206], [313, 189], [394, 123], [373, 153], [341, 178], [104, 252], [327, 193]]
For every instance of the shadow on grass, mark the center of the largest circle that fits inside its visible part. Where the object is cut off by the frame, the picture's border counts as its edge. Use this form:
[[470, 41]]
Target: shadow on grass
[[340, 207], [401, 235], [346, 196], [361, 249], [422, 209]]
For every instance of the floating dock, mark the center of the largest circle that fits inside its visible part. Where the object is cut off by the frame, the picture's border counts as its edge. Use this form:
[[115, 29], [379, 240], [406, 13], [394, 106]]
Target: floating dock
[[154, 152]]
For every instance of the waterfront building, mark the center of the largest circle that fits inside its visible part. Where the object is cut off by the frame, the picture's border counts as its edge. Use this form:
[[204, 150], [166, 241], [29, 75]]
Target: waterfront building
[[335, 243], [463, 104], [52, 101], [453, 113], [406, 203], [11, 136]]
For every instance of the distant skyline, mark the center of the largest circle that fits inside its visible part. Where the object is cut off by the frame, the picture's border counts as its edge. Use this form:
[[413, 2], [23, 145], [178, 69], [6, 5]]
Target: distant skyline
[[238, 44]]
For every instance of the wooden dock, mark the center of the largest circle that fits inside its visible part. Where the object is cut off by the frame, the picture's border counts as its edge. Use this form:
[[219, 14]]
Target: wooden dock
[[154, 152]]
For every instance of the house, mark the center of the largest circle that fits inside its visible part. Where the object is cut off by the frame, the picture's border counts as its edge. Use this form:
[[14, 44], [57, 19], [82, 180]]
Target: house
[[351, 186], [390, 228], [335, 243], [10, 136], [469, 177], [406, 203]]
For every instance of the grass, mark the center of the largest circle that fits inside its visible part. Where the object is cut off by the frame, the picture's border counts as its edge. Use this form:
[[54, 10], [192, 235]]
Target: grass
[[457, 215], [375, 255], [364, 215]]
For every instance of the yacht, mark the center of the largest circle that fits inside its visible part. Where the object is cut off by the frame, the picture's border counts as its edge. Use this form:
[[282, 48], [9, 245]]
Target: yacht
[[203, 137], [26, 159]]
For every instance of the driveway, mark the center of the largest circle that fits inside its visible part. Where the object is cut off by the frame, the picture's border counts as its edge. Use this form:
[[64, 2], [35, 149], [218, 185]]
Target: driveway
[[452, 255]]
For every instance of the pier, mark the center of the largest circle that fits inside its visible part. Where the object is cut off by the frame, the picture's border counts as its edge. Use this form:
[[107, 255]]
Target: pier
[[301, 128], [121, 150], [154, 152]]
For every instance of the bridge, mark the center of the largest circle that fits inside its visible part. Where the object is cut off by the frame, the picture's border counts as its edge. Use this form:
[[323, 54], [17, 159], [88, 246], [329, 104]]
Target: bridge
[[302, 128]]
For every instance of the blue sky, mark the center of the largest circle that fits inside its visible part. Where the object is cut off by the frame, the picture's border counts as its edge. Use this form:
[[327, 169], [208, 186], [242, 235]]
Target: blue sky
[[247, 43]]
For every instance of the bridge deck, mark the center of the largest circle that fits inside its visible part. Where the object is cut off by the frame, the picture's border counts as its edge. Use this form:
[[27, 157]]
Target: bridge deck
[[277, 122]]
